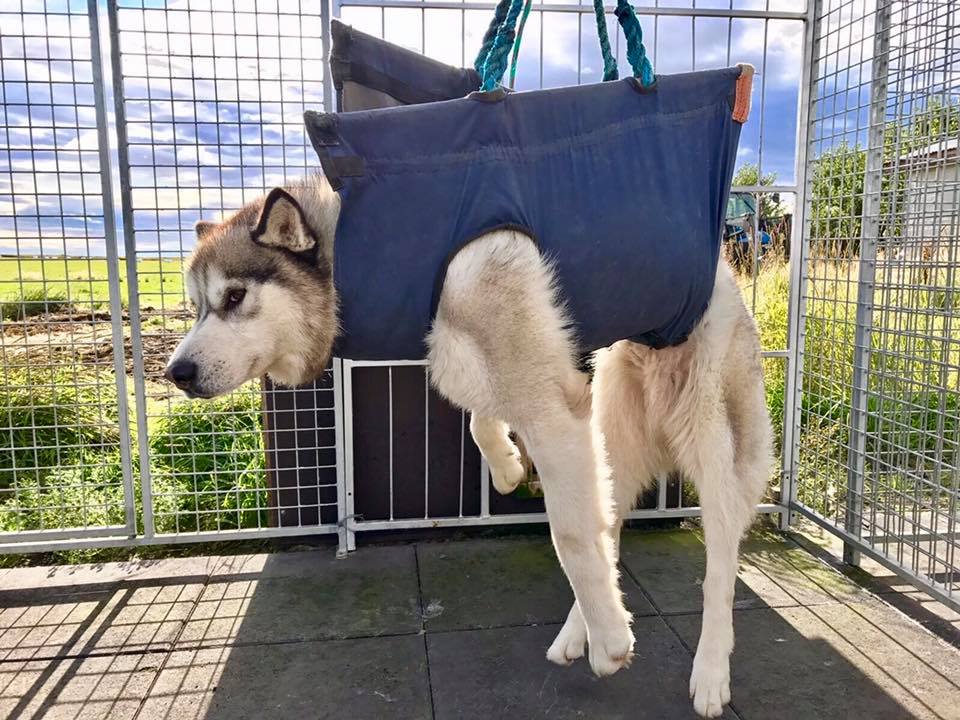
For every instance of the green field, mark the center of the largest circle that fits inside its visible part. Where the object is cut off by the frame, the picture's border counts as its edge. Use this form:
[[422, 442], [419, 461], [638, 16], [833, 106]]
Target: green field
[[83, 281]]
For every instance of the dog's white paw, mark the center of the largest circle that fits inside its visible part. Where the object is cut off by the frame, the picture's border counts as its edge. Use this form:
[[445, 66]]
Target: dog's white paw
[[710, 686], [507, 473], [569, 643], [611, 649]]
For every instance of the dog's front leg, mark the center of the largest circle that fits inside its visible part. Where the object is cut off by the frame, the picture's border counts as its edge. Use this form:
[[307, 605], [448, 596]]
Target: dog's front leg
[[493, 438], [576, 490]]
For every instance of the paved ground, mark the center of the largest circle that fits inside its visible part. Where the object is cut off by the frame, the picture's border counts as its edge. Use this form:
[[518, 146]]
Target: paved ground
[[455, 629]]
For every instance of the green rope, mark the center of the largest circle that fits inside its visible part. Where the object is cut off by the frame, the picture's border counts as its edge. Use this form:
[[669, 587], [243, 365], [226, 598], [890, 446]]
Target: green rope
[[636, 53], [610, 71], [500, 38], [516, 43], [498, 17], [496, 63]]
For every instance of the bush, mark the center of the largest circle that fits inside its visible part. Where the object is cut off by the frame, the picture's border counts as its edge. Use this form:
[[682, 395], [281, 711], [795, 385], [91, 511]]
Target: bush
[[51, 417], [35, 301], [86, 492], [208, 468]]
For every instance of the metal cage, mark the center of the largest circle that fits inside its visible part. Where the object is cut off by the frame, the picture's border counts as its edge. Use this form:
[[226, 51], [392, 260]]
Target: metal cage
[[125, 122]]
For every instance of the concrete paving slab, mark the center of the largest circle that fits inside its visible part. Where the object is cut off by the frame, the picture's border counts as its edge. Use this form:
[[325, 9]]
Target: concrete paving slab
[[803, 577], [58, 579], [670, 567], [124, 619], [373, 592], [290, 563], [499, 582], [109, 687], [365, 678], [46, 630], [502, 673], [139, 619], [810, 663]]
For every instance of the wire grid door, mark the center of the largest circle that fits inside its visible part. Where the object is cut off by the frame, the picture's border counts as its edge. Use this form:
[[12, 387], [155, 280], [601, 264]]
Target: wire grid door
[[880, 417], [769, 35], [64, 457], [209, 105]]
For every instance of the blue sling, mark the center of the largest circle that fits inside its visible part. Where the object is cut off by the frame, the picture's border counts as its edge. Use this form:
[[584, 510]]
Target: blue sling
[[622, 187]]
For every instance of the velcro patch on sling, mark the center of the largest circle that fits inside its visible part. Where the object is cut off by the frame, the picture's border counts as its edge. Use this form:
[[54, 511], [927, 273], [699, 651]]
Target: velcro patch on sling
[[741, 102], [322, 129]]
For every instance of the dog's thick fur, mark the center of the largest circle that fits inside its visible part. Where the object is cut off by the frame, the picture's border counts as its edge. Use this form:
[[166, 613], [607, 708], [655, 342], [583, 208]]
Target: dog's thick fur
[[501, 347]]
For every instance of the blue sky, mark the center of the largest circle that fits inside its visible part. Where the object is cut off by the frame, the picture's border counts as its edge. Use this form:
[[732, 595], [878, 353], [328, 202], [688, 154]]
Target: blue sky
[[214, 99]]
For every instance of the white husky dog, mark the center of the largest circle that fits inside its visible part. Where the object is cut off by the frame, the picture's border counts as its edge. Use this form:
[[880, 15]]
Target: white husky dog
[[500, 346]]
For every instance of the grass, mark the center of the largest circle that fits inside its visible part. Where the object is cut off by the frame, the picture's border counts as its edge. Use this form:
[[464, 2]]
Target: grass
[[33, 301], [84, 282]]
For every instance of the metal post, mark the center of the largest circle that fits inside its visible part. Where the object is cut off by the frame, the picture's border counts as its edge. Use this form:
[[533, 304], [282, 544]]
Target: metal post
[[113, 268], [799, 240], [130, 249], [348, 542], [869, 232], [338, 434], [325, 11]]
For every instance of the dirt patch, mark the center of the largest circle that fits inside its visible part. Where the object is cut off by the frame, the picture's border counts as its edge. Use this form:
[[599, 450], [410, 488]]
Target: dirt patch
[[78, 338]]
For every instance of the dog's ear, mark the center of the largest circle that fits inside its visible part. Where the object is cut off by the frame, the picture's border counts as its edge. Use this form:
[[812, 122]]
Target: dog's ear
[[283, 225], [203, 228]]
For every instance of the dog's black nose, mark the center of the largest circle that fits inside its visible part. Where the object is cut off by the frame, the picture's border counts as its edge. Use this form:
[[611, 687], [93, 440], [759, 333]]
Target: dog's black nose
[[181, 373]]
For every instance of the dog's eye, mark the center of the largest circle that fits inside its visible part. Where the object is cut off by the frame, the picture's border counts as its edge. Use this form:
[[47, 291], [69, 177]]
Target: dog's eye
[[234, 298]]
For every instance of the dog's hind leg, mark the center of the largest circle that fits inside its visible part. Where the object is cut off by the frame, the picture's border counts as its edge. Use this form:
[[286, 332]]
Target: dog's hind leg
[[563, 450], [727, 454], [493, 438], [501, 347], [618, 400]]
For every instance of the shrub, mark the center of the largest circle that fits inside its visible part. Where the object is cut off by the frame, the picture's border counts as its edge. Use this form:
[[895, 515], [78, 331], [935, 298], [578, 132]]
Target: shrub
[[208, 468], [35, 301], [50, 417], [86, 492]]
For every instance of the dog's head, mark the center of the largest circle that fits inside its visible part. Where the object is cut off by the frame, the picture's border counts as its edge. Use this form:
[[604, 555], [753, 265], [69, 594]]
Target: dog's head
[[261, 283]]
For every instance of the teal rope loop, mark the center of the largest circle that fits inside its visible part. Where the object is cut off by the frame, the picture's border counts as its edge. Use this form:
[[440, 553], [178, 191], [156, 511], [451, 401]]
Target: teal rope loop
[[496, 63], [500, 38], [516, 43], [610, 71], [636, 53], [498, 17]]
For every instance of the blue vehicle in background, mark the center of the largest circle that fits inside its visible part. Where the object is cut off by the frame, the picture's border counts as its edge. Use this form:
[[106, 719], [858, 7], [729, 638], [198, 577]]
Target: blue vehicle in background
[[739, 229]]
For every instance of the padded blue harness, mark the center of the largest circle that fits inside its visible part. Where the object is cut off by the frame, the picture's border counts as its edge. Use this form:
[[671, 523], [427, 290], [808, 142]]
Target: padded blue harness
[[622, 187]]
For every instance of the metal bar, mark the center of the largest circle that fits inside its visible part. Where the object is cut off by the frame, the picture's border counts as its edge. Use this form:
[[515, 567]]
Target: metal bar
[[113, 267], [325, 12], [484, 487], [133, 296], [27, 536], [526, 518], [870, 230], [799, 251], [338, 414], [780, 188], [165, 539], [588, 9], [347, 422]]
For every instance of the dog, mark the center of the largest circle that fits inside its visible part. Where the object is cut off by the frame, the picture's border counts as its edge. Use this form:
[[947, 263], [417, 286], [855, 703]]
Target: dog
[[502, 347]]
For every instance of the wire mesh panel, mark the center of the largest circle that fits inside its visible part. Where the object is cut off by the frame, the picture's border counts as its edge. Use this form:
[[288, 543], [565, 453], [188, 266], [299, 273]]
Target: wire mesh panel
[[64, 467], [210, 105], [881, 409]]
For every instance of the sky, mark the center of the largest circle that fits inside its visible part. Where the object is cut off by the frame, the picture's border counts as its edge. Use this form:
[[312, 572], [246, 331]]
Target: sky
[[213, 101]]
